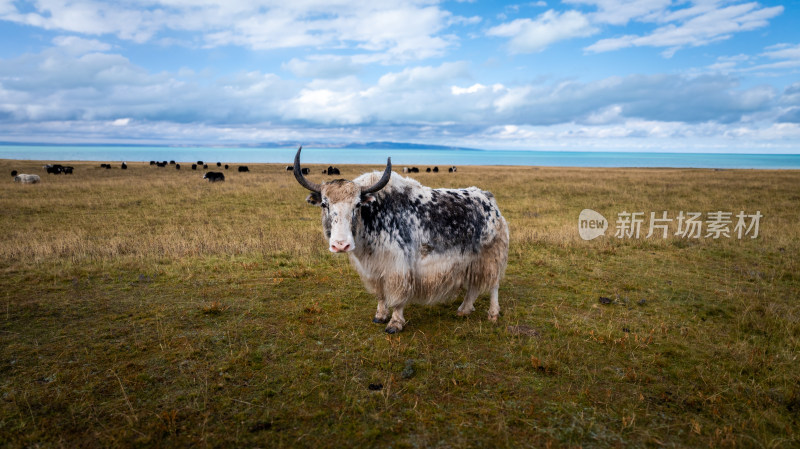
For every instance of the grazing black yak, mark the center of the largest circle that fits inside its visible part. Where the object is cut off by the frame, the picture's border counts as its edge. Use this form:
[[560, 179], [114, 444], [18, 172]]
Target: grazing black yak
[[214, 176], [55, 169]]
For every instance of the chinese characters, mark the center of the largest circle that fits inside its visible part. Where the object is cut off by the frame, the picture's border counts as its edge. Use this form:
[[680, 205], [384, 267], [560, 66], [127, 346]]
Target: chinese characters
[[690, 225]]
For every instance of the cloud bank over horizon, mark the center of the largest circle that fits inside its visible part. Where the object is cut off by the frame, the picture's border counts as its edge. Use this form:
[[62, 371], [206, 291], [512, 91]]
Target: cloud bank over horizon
[[647, 75]]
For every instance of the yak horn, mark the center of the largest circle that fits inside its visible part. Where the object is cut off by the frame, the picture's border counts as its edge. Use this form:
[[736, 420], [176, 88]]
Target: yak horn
[[298, 174], [387, 174]]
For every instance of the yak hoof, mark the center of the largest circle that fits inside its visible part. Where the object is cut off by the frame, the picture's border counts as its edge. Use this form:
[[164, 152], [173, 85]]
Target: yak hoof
[[464, 311], [380, 320], [493, 318], [394, 328]]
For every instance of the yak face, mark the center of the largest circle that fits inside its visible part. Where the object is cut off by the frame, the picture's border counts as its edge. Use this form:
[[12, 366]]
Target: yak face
[[340, 201]]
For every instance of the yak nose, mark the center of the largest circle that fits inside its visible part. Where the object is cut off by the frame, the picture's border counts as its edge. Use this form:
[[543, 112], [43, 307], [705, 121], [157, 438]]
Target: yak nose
[[340, 246]]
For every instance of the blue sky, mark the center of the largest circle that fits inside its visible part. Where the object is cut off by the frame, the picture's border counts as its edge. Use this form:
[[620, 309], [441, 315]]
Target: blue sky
[[649, 75]]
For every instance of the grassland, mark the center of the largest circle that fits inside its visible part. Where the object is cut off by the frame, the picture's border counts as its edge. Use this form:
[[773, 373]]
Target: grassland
[[146, 308]]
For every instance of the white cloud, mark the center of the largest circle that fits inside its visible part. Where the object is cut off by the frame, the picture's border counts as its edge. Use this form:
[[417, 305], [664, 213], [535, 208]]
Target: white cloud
[[727, 64], [530, 36], [620, 12], [328, 102], [88, 17], [774, 60], [513, 98], [322, 66], [679, 24], [475, 88], [784, 51], [76, 45], [7, 7], [423, 77], [610, 114], [460, 20], [417, 94], [327, 106], [60, 86], [270, 30], [791, 95], [694, 27], [788, 57], [404, 30], [643, 135]]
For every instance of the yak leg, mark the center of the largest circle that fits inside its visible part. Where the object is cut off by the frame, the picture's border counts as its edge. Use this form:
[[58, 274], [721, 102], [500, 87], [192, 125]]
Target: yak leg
[[382, 314], [397, 322], [467, 306], [494, 305]]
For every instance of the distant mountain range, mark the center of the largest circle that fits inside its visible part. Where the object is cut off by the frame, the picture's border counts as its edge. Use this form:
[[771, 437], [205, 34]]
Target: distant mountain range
[[404, 146], [355, 145], [279, 144]]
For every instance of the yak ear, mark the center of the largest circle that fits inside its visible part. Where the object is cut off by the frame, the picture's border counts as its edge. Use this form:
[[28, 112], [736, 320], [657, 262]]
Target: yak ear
[[315, 199], [367, 198]]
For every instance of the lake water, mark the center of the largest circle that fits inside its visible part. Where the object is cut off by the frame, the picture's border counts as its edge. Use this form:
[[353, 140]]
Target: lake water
[[400, 157]]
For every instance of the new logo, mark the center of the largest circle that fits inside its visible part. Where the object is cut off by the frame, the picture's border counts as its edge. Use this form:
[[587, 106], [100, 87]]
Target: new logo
[[591, 224]]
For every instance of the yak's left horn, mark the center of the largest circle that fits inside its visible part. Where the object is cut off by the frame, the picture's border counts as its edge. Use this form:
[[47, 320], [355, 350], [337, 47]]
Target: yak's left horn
[[298, 174]]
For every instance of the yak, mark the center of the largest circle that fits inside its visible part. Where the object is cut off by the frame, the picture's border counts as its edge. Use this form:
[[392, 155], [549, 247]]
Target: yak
[[214, 176], [412, 244]]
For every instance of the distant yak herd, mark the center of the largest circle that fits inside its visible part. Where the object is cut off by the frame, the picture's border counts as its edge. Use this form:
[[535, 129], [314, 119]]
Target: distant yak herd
[[58, 169], [211, 176], [331, 170], [199, 164], [452, 169]]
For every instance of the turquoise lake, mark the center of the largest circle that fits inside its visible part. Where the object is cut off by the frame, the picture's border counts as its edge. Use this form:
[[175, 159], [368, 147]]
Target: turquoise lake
[[399, 157]]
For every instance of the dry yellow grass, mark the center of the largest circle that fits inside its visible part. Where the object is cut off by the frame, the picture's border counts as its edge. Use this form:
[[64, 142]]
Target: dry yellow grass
[[151, 212]]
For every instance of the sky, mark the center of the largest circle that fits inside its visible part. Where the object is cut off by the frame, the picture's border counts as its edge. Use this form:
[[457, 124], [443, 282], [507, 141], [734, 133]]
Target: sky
[[575, 75]]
